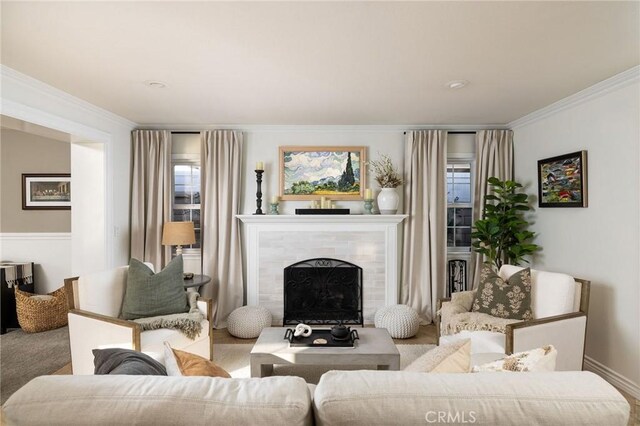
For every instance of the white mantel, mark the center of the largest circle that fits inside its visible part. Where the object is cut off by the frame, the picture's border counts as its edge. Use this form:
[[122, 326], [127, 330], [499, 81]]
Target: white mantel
[[274, 242]]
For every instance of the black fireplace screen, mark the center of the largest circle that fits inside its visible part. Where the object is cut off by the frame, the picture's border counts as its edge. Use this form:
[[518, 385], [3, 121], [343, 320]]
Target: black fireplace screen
[[323, 291]]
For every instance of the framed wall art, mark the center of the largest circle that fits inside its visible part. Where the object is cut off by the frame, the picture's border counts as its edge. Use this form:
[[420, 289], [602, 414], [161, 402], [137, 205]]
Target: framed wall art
[[46, 191], [311, 172], [562, 180]]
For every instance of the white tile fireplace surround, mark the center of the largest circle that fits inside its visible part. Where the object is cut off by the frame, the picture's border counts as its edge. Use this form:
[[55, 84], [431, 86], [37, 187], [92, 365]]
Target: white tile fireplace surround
[[277, 241]]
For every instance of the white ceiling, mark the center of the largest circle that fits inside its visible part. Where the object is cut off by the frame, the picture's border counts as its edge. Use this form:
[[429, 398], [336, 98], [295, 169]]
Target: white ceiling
[[321, 63]]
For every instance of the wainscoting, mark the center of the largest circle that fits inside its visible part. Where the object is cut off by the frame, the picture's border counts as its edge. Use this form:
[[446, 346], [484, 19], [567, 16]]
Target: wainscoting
[[51, 253]]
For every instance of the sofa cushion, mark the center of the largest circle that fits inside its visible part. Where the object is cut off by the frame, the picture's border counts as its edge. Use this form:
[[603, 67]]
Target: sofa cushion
[[148, 294], [357, 398], [181, 363], [126, 361], [552, 293], [454, 357], [535, 360], [504, 298], [481, 341], [160, 400]]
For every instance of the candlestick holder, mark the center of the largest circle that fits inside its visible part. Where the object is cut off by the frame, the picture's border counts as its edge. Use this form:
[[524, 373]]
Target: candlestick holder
[[368, 206], [273, 208], [259, 191]]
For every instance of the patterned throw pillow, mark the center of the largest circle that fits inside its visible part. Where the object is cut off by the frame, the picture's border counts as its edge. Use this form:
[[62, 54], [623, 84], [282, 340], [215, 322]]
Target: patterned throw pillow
[[505, 299], [535, 360]]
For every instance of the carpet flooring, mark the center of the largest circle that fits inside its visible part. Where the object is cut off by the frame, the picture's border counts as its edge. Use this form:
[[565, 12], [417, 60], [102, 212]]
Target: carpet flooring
[[235, 359], [24, 356]]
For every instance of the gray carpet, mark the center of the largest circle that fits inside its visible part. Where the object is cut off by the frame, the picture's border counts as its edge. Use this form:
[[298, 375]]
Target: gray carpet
[[24, 356]]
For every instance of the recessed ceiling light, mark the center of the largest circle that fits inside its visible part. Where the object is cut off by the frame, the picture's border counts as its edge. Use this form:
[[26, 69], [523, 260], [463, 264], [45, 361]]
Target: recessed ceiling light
[[156, 84], [457, 84]]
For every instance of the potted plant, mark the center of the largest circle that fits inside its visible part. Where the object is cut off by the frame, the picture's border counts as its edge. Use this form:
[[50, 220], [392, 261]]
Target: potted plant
[[389, 179], [501, 235]]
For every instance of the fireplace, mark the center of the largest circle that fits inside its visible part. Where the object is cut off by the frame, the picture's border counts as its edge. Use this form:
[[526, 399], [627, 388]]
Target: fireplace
[[323, 291]]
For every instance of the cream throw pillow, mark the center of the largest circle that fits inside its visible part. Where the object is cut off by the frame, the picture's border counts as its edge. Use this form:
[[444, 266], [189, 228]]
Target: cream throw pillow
[[536, 360], [451, 358]]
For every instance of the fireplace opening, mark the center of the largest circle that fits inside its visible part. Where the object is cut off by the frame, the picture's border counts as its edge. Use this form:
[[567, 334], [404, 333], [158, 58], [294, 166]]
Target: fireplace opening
[[323, 291]]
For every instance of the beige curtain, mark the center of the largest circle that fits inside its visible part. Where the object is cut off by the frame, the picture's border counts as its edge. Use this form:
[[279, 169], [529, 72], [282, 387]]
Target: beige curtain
[[150, 195], [494, 158], [221, 245], [425, 236]]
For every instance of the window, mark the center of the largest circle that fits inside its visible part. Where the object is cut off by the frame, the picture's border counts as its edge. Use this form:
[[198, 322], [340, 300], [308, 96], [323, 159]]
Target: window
[[459, 205], [186, 196]]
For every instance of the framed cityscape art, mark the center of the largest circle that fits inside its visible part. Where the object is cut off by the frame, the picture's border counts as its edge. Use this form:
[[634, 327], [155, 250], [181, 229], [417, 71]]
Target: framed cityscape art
[[311, 172], [562, 180]]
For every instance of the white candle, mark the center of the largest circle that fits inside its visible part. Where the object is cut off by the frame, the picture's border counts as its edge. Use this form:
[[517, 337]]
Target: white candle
[[368, 194], [323, 202], [333, 205], [275, 199], [259, 165]]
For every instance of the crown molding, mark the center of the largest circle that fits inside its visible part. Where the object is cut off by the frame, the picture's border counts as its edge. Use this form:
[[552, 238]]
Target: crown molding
[[625, 78], [9, 75], [381, 128]]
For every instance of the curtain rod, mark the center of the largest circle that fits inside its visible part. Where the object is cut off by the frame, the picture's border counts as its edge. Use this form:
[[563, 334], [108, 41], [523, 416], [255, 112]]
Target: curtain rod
[[185, 133], [455, 133]]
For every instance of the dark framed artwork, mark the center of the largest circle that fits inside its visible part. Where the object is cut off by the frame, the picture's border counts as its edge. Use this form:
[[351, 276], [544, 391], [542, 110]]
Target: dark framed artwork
[[312, 172], [46, 191], [562, 180]]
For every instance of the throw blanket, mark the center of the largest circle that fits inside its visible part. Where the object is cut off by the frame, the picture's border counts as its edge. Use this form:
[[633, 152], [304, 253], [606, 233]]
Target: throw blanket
[[189, 323], [17, 273]]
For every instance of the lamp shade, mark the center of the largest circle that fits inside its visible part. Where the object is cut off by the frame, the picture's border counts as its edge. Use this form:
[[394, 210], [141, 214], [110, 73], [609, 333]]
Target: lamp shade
[[178, 234]]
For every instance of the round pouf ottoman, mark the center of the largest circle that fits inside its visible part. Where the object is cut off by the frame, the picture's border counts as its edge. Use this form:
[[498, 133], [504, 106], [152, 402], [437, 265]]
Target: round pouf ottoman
[[400, 320], [247, 322]]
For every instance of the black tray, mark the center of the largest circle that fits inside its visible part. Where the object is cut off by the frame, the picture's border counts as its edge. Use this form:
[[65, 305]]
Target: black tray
[[323, 211], [320, 334]]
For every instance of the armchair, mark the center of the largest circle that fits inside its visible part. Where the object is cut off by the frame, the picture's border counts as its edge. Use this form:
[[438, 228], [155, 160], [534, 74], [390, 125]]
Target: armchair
[[559, 304], [95, 301]]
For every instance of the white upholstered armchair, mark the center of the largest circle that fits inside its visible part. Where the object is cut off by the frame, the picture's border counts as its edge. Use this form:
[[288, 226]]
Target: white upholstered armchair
[[559, 304], [95, 301]]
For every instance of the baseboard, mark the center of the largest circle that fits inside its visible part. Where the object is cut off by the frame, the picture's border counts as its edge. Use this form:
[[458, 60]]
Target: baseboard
[[612, 377]]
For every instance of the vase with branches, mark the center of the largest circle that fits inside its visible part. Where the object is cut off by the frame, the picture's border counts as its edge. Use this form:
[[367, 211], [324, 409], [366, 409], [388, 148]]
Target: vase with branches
[[502, 235], [385, 173]]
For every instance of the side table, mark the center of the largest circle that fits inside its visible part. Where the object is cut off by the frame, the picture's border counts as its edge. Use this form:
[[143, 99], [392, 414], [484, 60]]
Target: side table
[[196, 282]]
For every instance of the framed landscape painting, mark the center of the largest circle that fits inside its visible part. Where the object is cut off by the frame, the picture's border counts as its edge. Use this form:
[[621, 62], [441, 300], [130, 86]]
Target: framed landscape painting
[[46, 191], [562, 180], [311, 172]]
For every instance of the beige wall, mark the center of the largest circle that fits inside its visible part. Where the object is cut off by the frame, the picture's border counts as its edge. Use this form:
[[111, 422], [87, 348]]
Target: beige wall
[[26, 153]]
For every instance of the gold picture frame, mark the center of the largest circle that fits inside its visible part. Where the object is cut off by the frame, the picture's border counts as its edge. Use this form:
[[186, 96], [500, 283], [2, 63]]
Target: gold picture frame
[[312, 172]]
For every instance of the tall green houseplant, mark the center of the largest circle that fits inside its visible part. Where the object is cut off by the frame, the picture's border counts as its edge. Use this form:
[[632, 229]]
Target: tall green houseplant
[[501, 235]]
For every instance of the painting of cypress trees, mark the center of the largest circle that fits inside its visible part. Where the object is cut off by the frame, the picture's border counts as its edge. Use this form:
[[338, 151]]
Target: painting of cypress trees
[[308, 173]]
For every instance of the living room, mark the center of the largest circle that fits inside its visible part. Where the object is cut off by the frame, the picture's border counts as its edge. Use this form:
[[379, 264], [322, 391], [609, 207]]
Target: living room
[[84, 84]]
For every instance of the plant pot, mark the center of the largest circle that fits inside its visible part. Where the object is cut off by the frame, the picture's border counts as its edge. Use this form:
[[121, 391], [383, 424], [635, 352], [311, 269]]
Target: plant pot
[[388, 201]]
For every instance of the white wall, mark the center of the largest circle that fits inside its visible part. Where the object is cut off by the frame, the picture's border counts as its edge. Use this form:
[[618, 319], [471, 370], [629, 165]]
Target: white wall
[[262, 145], [88, 208], [598, 243], [31, 100]]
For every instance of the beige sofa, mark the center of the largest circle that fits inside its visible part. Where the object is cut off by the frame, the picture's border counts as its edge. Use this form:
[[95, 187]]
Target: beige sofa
[[341, 398]]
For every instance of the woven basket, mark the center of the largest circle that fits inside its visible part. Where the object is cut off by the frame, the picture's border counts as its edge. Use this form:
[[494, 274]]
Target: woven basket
[[41, 315]]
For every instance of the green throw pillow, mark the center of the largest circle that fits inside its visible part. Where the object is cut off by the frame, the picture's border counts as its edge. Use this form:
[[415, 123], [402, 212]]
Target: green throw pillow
[[505, 299], [150, 295]]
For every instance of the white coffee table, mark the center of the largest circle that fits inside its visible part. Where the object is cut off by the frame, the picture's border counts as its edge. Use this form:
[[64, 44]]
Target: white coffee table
[[375, 347]]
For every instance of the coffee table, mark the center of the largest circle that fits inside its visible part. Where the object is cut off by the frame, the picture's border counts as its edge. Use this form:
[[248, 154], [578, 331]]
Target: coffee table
[[375, 347]]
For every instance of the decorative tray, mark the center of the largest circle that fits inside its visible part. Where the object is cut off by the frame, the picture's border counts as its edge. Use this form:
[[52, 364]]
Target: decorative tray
[[323, 211], [319, 335]]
